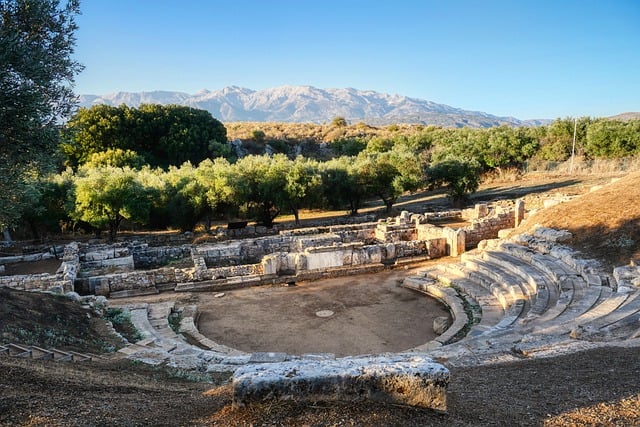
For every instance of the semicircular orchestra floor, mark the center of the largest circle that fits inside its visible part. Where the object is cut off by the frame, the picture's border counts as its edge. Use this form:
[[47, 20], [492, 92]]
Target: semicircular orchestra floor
[[371, 314]]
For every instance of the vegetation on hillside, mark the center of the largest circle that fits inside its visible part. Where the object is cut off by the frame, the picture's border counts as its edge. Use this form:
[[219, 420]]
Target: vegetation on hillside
[[36, 77], [174, 167], [116, 175]]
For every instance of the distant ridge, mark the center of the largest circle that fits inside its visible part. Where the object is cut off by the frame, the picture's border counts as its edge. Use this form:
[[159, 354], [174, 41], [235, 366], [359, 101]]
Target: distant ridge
[[304, 104], [624, 117]]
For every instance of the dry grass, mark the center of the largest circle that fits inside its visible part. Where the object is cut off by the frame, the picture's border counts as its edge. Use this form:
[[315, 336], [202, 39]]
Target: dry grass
[[315, 132], [605, 222]]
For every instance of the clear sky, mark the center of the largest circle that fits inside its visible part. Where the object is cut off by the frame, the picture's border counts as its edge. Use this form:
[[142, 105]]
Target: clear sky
[[521, 58]]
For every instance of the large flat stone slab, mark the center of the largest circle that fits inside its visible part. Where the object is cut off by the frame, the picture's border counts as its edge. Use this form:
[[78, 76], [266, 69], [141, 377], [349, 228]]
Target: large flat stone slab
[[405, 379]]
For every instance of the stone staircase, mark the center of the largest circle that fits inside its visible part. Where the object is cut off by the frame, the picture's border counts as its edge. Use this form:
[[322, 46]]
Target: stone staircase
[[187, 350], [34, 352], [509, 299], [535, 296]]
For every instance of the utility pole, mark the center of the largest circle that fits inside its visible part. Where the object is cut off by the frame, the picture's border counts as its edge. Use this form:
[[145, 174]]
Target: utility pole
[[573, 147]]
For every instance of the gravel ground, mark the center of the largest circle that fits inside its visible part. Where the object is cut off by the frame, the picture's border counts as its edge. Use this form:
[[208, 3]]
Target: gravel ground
[[598, 387]]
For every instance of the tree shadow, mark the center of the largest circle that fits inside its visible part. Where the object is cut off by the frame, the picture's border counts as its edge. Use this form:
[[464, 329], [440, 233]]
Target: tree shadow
[[518, 190]]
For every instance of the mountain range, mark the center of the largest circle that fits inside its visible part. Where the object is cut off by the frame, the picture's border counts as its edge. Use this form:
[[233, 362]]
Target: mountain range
[[307, 104]]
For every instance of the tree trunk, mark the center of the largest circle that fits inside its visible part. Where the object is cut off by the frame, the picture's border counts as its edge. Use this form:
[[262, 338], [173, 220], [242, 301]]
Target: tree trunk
[[114, 225], [7, 235], [296, 214]]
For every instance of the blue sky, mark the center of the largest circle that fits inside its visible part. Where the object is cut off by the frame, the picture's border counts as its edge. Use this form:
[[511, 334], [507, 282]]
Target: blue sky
[[527, 59]]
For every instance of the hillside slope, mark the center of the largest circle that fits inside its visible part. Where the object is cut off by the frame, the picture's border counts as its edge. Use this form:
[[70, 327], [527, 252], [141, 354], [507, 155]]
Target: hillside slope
[[605, 222]]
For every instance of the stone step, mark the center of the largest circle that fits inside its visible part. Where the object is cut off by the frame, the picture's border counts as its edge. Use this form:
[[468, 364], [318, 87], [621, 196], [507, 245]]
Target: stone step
[[601, 309], [35, 352], [507, 293], [507, 281], [41, 353], [492, 309], [535, 278], [565, 321], [550, 265], [456, 272], [562, 302], [515, 312], [498, 271], [629, 307], [16, 350], [583, 301]]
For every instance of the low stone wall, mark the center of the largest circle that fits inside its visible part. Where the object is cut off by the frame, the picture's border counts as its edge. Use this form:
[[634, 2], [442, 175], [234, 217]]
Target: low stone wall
[[488, 227], [145, 256], [454, 239], [25, 258], [136, 280], [399, 379], [61, 282]]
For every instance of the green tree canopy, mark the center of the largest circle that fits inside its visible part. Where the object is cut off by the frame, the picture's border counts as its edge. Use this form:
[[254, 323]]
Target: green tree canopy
[[163, 135], [259, 182], [460, 176], [612, 138], [36, 77], [304, 185], [105, 196], [344, 185]]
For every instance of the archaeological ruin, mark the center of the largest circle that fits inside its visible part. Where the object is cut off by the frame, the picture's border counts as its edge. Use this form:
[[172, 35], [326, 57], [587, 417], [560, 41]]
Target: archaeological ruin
[[509, 296]]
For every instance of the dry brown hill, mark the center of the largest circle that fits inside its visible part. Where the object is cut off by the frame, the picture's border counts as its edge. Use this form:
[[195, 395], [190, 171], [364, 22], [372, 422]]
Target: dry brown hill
[[605, 222], [626, 116]]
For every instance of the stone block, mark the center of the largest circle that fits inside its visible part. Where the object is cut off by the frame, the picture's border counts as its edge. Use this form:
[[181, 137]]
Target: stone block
[[267, 357], [481, 210], [441, 324], [401, 379]]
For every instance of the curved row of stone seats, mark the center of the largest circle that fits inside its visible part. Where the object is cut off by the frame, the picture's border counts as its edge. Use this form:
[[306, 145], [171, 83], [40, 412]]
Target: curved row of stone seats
[[570, 304], [189, 329], [34, 352], [161, 345], [492, 307], [546, 293], [450, 298], [621, 323], [535, 290], [580, 290], [502, 302]]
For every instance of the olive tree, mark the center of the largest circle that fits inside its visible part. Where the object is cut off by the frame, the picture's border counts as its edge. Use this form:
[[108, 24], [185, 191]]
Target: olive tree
[[105, 196], [37, 40]]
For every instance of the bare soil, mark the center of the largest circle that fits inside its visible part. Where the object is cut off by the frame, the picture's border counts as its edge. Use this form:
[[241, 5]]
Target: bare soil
[[598, 387], [372, 314], [49, 266]]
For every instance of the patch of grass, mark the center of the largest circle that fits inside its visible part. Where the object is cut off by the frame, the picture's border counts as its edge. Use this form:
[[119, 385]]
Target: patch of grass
[[46, 337], [121, 321], [174, 321], [473, 312]]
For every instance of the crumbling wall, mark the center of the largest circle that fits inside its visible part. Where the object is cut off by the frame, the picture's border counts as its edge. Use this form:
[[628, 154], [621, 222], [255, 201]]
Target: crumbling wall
[[489, 226], [62, 281], [145, 256]]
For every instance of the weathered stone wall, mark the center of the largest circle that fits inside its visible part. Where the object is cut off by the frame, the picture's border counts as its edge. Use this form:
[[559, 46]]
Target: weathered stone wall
[[347, 233], [62, 281], [455, 239], [145, 256], [489, 226], [99, 259], [245, 251]]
